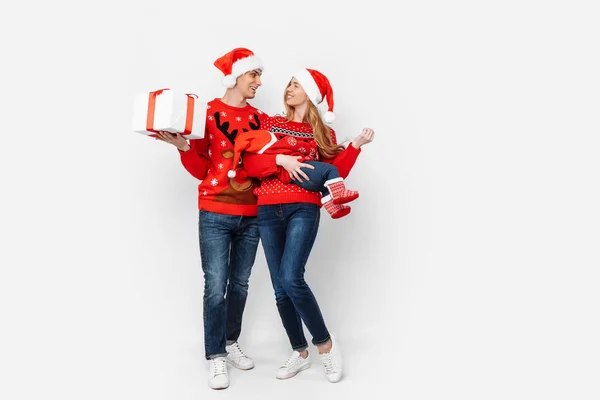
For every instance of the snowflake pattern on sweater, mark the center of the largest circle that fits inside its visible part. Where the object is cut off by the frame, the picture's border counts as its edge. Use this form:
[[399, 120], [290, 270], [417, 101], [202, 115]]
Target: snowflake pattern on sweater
[[210, 158]]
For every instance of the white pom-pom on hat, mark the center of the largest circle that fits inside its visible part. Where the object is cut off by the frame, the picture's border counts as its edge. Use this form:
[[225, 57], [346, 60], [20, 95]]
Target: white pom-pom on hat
[[329, 117]]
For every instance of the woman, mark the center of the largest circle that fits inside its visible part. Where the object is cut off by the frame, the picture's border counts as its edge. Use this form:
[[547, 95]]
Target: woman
[[288, 215]]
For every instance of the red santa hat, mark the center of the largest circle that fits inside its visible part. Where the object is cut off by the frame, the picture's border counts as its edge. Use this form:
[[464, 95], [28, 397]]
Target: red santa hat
[[236, 63], [253, 141], [317, 87]]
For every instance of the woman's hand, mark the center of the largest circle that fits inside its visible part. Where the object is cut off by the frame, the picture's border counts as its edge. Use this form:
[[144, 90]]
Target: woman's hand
[[365, 137], [293, 166], [175, 139]]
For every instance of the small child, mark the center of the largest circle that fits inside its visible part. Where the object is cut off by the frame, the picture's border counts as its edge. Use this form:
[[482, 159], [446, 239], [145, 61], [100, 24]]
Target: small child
[[324, 178]]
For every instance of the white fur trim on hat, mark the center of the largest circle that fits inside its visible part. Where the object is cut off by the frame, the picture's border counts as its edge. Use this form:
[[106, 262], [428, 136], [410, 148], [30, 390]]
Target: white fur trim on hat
[[240, 67], [231, 173], [271, 143], [229, 81], [309, 85]]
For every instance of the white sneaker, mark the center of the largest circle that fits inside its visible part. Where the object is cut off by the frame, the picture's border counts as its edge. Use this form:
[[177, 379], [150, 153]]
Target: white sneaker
[[332, 362], [293, 365], [218, 378], [237, 358]]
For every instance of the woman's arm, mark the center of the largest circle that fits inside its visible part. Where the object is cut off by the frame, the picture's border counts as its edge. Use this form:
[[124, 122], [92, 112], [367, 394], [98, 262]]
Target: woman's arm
[[259, 165], [345, 160], [283, 166]]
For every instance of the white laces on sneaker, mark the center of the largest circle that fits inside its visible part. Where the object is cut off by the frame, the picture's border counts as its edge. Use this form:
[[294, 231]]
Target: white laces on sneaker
[[328, 364], [293, 360], [236, 350], [219, 365]]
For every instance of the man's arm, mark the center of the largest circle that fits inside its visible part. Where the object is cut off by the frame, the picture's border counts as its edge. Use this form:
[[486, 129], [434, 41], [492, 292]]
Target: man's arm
[[196, 160]]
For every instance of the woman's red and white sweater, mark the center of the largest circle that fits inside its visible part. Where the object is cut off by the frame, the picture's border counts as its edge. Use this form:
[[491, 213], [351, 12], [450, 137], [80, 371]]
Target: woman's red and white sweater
[[300, 138]]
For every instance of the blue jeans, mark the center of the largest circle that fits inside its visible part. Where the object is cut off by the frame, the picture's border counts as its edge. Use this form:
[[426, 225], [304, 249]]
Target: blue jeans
[[288, 232], [228, 246], [318, 176]]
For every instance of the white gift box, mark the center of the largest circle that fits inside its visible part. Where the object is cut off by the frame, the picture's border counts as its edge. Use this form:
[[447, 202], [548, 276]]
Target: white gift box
[[170, 111]]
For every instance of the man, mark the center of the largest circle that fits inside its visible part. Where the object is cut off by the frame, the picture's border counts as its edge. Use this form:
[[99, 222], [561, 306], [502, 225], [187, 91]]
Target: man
[[228, 228]]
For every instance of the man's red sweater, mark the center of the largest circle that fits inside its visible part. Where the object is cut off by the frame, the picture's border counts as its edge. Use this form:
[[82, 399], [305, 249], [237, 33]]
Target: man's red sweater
[[210, 158]]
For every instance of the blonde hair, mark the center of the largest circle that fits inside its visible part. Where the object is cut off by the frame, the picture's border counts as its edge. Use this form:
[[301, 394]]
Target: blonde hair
[[321, 132]]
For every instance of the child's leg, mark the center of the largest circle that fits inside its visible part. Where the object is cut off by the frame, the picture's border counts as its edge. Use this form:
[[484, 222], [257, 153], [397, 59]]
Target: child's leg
[[336, 187], [335, 210], [318, 176]]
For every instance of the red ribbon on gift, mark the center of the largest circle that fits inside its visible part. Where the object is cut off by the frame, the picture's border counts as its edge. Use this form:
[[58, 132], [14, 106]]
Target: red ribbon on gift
[[151, 107], [189, 115], [189, 118]]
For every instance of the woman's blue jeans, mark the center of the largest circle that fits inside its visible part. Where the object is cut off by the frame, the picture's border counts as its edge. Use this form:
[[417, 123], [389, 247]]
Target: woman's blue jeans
[[288, 232]]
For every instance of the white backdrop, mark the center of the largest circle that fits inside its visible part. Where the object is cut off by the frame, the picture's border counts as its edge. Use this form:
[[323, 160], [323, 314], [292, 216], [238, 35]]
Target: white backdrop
[[468, 267]]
